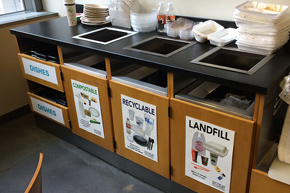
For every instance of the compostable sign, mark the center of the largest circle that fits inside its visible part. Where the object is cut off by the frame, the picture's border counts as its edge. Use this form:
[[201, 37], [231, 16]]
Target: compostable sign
[[88, 108], [209, 153]]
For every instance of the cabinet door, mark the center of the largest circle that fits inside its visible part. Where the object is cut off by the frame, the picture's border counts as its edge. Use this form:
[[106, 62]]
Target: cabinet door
[[89, 106], [43, 72], [147, 106], [241, 153]]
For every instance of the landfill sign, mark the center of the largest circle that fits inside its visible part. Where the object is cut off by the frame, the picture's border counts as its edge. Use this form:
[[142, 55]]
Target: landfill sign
[[87, 103], [209, 153], [139, 124]]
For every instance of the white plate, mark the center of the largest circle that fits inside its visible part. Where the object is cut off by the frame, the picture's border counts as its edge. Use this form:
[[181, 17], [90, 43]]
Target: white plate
[[95, 23], [96, 20], [95, 6], [130, 138], [94, 112]]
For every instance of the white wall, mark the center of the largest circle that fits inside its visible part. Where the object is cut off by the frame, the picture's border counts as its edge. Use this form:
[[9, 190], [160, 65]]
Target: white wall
[[13, 86], [214, 9]]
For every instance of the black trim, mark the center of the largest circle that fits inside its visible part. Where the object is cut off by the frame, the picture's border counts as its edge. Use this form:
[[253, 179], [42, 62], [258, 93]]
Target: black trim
[[79, 8], [114, 144], [61, 75], [15, 114], [109, 92]]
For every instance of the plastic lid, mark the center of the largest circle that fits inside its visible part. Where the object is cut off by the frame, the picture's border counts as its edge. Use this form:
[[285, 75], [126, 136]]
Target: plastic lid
[[170, 4], [161, 3]]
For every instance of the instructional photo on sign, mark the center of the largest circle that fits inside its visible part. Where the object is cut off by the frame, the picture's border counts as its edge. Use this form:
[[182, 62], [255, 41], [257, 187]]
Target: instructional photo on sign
[[209, 153], [140, 128], [88, 108]]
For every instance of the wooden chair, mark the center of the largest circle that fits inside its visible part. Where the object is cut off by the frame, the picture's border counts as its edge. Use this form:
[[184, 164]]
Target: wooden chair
[[35, 185]]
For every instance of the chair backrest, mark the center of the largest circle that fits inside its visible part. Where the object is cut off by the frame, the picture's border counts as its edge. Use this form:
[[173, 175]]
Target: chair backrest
[[35, 185]]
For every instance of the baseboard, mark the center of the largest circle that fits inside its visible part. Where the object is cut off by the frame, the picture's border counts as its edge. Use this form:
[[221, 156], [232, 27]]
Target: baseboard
[[14, 114]]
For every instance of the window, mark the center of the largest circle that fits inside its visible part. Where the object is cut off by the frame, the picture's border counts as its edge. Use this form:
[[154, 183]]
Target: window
[[12, 6]]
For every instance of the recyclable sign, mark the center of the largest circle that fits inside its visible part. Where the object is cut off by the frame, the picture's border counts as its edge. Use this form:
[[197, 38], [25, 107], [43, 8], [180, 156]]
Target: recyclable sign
[[139, 123]]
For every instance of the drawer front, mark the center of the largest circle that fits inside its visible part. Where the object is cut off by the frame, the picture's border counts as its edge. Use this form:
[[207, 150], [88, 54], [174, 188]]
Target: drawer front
[[195, 168], [51, 110], [46, 73], [260, 182]]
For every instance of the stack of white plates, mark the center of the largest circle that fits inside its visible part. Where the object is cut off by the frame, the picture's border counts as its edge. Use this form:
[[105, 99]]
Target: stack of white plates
[[262, 27], [95, 14]]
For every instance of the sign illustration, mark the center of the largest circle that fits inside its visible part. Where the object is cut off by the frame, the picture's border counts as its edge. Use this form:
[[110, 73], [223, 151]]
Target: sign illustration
[[87, 103], [139, 123], [209, 153]]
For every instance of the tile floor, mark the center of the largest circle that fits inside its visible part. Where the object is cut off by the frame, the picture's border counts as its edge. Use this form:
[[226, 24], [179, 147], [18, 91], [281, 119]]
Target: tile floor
[[65, 168]]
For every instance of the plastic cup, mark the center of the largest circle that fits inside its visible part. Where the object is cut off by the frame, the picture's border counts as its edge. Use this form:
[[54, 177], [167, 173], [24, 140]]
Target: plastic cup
[[194, 155], [139, 122], [71, 14], [204, 160], [131, 114], [213, 159]]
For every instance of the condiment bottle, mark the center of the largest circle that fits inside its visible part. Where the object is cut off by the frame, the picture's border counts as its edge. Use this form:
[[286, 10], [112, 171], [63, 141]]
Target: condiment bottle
[[161, 18], [128, 126], [170, 13]]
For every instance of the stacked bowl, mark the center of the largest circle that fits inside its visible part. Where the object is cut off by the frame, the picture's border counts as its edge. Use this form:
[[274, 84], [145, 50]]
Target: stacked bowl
[[95, 14], [144, 22], [262, 28]]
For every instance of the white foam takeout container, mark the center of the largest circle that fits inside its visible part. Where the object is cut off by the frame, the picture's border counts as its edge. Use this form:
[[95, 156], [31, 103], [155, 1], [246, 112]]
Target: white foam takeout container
[[217, 149], [202, 30], [264, 10], [223, 37]]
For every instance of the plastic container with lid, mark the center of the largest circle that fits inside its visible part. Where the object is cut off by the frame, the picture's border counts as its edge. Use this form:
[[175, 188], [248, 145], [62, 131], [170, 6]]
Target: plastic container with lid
[[144, 22], [202, 30], [223, 37], [118, 16], [186, 34], [144, 18]]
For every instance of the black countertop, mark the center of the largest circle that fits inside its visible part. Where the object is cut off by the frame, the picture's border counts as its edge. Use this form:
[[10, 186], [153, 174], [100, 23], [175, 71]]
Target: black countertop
[[57, 31]]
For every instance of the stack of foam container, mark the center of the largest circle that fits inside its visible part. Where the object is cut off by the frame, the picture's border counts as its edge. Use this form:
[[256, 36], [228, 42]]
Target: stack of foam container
[[262, 27]]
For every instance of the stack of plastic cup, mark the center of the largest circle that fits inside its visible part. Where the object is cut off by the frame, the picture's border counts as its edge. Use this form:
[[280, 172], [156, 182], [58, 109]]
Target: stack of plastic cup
[[71, 12]]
